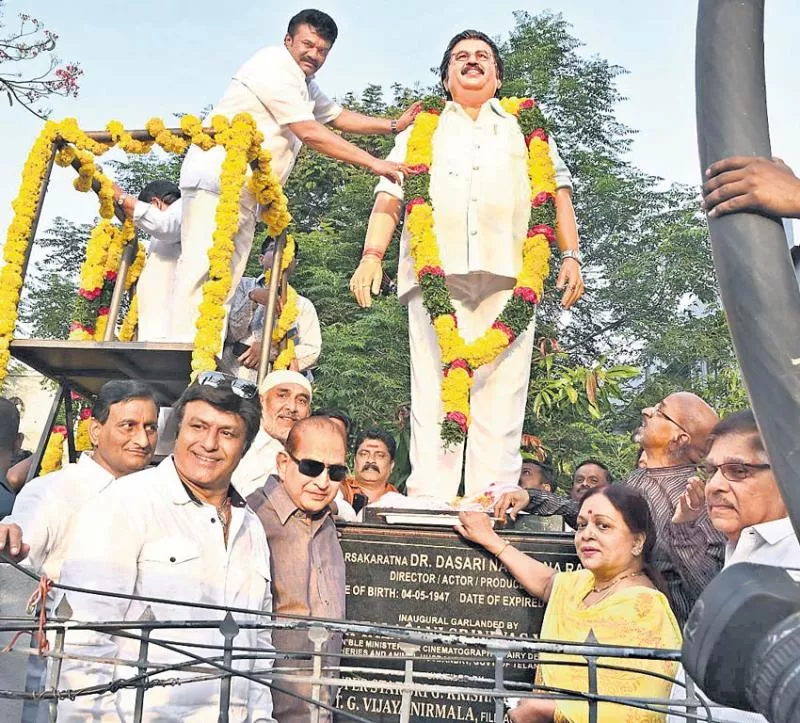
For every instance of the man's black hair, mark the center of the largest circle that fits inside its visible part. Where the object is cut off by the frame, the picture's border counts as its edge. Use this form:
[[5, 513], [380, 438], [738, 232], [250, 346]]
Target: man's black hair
[[269, 241], [120, 390], [9, 425], [225, 400], [322, 23], [469, 35], [742, 423], [164, 190], [548, 473], [379, 434], [601, 465], [334, 414]]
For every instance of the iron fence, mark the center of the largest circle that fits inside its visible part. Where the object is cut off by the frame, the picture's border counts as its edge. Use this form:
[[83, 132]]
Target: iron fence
[[367, 672]]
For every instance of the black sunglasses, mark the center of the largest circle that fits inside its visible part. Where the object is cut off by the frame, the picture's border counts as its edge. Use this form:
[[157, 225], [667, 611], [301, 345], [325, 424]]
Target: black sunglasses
[[240, 387], [314, 468]]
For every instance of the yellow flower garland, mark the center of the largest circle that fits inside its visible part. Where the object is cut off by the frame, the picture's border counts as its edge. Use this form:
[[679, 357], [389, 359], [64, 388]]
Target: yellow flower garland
[[460, 359], [53, 455], [290, 310], [242, 142], [18, 235]]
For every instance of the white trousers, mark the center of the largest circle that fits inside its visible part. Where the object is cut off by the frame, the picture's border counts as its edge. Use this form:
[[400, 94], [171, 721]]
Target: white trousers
[[197, 229], [155, 290], [497, 399]]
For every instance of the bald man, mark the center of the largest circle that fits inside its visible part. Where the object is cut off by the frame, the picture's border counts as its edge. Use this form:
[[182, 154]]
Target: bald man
[[674, 437]]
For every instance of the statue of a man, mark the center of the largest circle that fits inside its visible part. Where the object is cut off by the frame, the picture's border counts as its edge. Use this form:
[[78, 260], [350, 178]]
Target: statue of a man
[[473, 257]]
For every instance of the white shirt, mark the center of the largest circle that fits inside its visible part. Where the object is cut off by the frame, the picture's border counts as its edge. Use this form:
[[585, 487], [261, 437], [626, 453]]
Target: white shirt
[[258, 463], [480, 191], [163, 226], [47, 507], [146, 536], [768, 543], [272, 88]]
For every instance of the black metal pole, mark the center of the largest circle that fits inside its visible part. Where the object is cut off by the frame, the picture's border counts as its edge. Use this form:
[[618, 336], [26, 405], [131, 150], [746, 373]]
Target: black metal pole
[[36, 464], [69, 419], [756, 278]]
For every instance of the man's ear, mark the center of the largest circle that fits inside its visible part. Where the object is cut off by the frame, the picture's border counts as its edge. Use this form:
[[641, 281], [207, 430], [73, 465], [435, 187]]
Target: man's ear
[[18, 440], [287, 39], [280, 464], [94, 431]]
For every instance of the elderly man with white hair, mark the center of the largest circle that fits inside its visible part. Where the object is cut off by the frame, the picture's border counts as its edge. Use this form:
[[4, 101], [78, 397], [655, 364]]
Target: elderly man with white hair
[[285, 400]]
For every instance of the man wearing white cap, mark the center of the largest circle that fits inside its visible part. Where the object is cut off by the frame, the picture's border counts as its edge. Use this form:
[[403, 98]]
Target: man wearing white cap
[[285, 399]]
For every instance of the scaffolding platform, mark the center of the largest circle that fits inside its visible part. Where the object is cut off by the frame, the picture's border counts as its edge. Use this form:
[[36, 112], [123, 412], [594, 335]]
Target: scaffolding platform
[[84, 366]]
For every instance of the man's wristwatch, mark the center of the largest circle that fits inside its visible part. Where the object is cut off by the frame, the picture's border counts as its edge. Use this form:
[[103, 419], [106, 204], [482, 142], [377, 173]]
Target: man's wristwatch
[[572, 254], [393, 125], [121, 200]]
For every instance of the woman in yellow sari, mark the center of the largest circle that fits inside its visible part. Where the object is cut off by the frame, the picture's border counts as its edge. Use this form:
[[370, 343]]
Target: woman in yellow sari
[[615, 596]]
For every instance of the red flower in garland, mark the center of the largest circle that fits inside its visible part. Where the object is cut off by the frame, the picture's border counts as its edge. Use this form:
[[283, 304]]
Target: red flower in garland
[[507, 330], [86, 413], [59, 429], [539, 133], [459, 419], [419, 169], [103, 311], [414, 202], [90, 294], [458, 364], [527, 104], [545, 230], [432, 270], [526, 294], [541, 199], [77, 326], [111, 276]]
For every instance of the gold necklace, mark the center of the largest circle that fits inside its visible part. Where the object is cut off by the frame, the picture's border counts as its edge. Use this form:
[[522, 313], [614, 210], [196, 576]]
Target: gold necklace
[[619, 579]]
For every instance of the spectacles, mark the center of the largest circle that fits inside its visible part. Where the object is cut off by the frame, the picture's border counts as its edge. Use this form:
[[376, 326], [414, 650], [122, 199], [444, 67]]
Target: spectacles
[[660, 412], [731, 471], [240, 387], [314, 468]]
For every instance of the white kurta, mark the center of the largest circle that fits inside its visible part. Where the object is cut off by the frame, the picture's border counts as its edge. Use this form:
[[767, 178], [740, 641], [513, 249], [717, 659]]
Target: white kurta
[[768, 543], [481, 197], [275, 91], [258, 463], [147, 537], [46, 509], [156, 284]]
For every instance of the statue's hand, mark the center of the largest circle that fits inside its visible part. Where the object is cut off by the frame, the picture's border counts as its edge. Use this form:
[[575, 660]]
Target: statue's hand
[[570, 279], [367, 278]]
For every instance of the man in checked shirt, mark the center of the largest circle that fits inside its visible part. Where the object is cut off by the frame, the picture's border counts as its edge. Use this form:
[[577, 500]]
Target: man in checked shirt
[[689, 551]]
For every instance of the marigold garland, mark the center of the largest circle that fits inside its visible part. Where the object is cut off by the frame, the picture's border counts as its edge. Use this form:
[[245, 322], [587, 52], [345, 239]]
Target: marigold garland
[[460, 359], [242, 142], [289, 312], [18, 236], [53, 456], [83, 442]]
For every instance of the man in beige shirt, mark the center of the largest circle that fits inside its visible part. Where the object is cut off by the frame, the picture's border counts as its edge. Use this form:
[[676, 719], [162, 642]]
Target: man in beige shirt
[[306, 558]]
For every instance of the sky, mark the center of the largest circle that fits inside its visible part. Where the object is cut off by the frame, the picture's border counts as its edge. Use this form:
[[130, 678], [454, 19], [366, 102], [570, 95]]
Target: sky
[[156, 58]]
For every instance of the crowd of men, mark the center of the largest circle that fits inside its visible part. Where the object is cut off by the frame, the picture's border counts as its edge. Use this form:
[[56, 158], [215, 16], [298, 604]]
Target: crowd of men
[[242, 515]]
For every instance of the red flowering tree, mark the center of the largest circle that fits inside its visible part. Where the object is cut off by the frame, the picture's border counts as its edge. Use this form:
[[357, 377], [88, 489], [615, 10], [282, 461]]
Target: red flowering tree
[[30, 70]]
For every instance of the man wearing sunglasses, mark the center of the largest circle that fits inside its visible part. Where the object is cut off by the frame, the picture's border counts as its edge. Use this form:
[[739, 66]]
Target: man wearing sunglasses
[[307, 559], [179, 533], [673, 435], [737, 488]]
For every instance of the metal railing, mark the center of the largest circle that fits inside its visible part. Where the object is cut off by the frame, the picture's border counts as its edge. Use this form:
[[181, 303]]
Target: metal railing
[[397, 676]]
